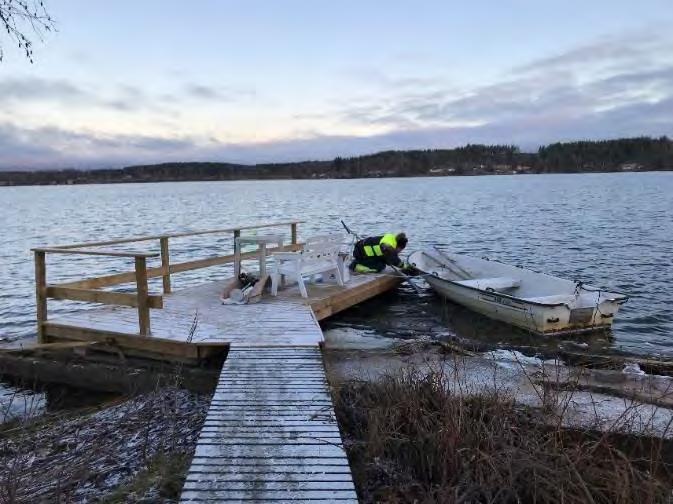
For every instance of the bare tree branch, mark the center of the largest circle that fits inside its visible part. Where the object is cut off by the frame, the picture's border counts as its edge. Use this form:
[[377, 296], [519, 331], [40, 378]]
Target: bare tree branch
[[24, 20]]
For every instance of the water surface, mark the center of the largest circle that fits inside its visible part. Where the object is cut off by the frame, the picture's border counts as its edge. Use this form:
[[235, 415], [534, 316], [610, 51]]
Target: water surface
[[610, 230]]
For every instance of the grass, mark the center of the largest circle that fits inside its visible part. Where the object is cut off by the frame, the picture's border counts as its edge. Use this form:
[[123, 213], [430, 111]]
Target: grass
[[410, 439]]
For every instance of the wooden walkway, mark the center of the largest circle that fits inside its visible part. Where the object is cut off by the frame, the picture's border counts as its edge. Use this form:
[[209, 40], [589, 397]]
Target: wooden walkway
[[271, 434]]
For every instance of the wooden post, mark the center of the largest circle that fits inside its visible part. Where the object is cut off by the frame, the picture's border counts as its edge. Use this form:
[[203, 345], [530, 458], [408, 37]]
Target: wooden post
[[41, 294], [237, 253], [143, 306], [294, 233], [165, 264], [262, 260]]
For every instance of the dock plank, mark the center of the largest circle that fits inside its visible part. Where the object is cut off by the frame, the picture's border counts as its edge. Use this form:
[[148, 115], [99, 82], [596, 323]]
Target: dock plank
[[284, 321], [270, 434]]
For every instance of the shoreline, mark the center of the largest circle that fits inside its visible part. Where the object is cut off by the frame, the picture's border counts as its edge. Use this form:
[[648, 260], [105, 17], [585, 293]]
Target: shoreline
[[316, 179], [165, 423], [639, 154]]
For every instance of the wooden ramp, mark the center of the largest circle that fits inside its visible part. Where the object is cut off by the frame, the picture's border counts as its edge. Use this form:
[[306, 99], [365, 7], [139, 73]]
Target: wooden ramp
[[270, 434]]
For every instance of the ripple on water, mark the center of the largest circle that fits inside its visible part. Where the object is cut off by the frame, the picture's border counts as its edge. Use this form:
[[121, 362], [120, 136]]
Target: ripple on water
[[573, 226]]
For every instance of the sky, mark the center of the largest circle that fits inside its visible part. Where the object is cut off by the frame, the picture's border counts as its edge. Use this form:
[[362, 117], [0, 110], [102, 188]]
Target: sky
[[131, 82]]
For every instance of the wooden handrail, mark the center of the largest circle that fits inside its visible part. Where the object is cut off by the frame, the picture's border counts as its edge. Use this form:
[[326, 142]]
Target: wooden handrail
[[130, 276], [103, 297], [87, 290], [112, 253], [174, 235]]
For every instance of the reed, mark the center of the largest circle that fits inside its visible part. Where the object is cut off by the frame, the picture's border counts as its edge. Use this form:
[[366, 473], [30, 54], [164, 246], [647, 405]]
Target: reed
[[413, 437]]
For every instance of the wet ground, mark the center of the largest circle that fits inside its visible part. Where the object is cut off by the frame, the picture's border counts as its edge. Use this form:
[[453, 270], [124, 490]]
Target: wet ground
[[625, 400]]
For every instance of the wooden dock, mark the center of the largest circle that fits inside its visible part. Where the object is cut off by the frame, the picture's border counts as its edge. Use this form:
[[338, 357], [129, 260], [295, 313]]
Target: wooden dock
[[271, 432], [285, 320]]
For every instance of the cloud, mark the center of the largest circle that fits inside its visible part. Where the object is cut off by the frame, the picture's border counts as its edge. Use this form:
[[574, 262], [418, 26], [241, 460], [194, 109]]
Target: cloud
[[121, 98], [52, 148], [589, 84], [35, 89], [57, 148], [202, 92], [220, 93], [610, 88], [616, 52]]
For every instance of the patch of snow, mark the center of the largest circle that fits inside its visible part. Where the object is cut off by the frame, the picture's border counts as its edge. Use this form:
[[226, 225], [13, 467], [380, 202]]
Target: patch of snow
[[348, 338], [114, 444], [508, 357], [632, 368]]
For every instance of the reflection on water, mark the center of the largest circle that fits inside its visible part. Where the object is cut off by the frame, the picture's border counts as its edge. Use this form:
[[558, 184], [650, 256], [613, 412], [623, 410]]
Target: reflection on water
[[18, 403], [610, 230], [26, 401]]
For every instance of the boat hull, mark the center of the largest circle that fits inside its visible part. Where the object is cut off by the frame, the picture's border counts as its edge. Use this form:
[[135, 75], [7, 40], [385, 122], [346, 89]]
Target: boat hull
[[539, 319], [571, 310]]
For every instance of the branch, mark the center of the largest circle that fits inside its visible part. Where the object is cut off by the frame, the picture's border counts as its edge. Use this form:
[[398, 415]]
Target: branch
[[22, 20]]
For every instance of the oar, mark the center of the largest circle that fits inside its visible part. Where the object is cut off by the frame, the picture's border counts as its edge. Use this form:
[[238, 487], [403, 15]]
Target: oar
[[357, 236], [407, 278], [461, 275], [462, 271]]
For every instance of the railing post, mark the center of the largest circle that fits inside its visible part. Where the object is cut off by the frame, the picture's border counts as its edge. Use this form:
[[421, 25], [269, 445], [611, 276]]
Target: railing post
[[143, 306], [294, 233], [165, 264], [237, 253], [41, 294]]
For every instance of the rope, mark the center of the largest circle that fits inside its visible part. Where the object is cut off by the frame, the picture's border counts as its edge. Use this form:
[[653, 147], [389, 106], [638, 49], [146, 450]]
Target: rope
[[579, 286]]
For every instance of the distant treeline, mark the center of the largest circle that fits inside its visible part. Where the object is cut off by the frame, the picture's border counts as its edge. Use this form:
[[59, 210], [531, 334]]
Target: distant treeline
[[628, 154]]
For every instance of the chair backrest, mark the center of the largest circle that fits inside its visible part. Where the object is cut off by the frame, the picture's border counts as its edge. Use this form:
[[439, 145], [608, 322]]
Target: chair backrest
[[325, 238], [322, 247]]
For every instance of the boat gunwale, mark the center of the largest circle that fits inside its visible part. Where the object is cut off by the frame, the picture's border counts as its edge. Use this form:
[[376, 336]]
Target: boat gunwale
[[620, 299]]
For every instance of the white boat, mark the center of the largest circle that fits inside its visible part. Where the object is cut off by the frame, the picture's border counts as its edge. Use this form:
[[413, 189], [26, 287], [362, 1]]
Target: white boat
[[541, 303]]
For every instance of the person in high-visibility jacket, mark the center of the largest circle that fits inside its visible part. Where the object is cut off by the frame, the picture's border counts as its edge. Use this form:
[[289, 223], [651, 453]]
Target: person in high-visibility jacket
[[371, 255]]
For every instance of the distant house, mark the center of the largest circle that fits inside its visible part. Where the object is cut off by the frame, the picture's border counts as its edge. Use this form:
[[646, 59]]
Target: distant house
[[441, 171]]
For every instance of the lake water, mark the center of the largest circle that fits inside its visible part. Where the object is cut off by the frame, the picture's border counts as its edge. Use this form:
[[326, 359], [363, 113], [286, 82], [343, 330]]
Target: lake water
[[611, 230]]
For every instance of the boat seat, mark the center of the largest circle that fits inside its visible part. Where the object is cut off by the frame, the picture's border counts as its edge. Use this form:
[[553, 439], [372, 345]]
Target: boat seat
[[495, 283], [553, 299]]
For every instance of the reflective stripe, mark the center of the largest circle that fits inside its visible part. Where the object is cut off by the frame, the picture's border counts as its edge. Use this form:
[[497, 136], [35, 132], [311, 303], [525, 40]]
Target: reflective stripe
[[361, 268], [389, 239], [374, 250]]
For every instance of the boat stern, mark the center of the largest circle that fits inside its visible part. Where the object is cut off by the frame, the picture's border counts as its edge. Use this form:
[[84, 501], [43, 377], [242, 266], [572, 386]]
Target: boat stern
[[567, 319]]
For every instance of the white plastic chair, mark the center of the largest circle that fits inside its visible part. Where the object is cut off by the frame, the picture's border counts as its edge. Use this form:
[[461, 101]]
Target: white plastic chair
[[320, 256]]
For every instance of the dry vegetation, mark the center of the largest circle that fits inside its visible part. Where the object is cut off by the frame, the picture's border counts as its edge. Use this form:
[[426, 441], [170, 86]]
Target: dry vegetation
[[410, 439], [137, 449]]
